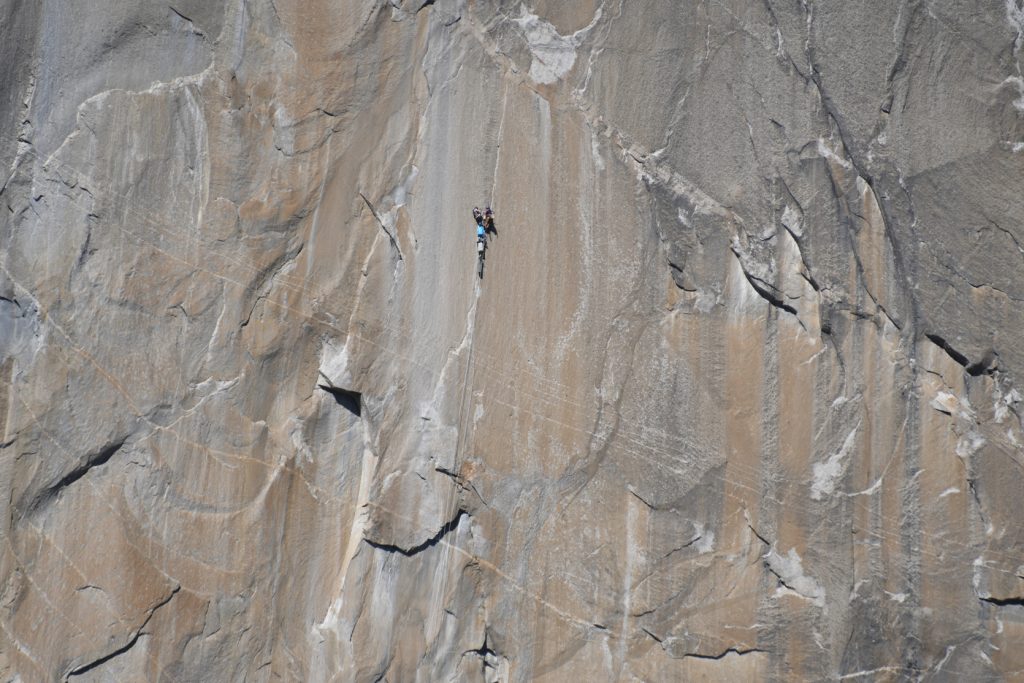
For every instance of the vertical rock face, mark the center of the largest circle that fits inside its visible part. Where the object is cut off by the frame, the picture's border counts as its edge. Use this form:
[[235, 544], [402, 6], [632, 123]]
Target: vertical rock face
[[737, 397]]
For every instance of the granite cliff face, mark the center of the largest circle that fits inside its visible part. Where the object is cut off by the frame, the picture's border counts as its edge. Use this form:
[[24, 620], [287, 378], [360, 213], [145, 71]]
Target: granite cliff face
[[738, 396]]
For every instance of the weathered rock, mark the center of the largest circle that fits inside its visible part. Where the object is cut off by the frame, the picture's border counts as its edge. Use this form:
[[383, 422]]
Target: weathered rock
[[736, 398]]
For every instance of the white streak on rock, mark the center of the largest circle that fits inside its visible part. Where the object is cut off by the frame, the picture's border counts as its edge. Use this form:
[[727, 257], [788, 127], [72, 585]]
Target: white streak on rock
[[970, 444], [1019, 83], [828, 153], [793, 221], [789, 569], [1015, 17], [869, 672], [979, 566], [595, 150], [744, 301], [945, 402], [553, 53], [827, 473], [706, 539]]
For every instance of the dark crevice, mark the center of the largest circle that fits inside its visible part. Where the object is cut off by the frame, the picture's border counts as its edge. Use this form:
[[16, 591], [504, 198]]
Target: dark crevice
[[806, 275], [976, 496], [734, 650], [764, 290], [426, 3], [985, 365], [656, 638], [489, 658], [678, 277], [426, 545], [778, 577], [352, 401], [482, 651], [636, 495], [684, 546], [759, 536], [103, 660], [900, 63], [462, 482], [14, 302], [1004, 602], [181, 15], [380, 221], [86, 668], [100, 457], [944, 345]]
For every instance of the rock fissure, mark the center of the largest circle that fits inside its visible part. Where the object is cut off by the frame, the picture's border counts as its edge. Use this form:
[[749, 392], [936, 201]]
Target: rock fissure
[[431, 542], [739, 651], [769, 293], [87, 464], [985, 365], [132, 640], [1015, 601], [383, 226]]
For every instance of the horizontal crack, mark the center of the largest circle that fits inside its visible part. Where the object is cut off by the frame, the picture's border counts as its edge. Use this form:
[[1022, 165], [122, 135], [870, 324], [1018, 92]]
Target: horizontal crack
[[425, 545], [1004, 602], [732, 650]]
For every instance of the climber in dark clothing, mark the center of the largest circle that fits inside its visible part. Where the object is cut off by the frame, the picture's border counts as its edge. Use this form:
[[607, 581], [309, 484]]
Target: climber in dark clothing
[[477, 216], [488, 219]]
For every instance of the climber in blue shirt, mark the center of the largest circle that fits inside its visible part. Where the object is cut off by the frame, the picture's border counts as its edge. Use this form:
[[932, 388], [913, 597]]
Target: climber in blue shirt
[[481, 242], [481, 238]]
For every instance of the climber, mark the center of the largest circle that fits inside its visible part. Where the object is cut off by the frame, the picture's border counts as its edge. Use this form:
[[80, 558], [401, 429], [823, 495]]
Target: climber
[[488, 219], [481, 247], [477, 216]]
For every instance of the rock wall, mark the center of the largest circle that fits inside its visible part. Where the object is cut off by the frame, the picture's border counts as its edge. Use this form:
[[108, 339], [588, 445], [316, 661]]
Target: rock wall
[[734, 399]]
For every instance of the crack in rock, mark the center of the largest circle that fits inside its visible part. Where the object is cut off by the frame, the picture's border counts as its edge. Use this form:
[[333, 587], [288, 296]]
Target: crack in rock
[[94, 664], [425, 545], [92, 461], [383, 226], [740, 651]]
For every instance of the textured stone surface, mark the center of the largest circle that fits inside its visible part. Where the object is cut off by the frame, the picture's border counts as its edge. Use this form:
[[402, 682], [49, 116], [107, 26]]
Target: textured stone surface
[[737, 397]]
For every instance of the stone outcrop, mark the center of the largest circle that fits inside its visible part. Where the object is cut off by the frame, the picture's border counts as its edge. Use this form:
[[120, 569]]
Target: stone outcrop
[[737, 397]]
